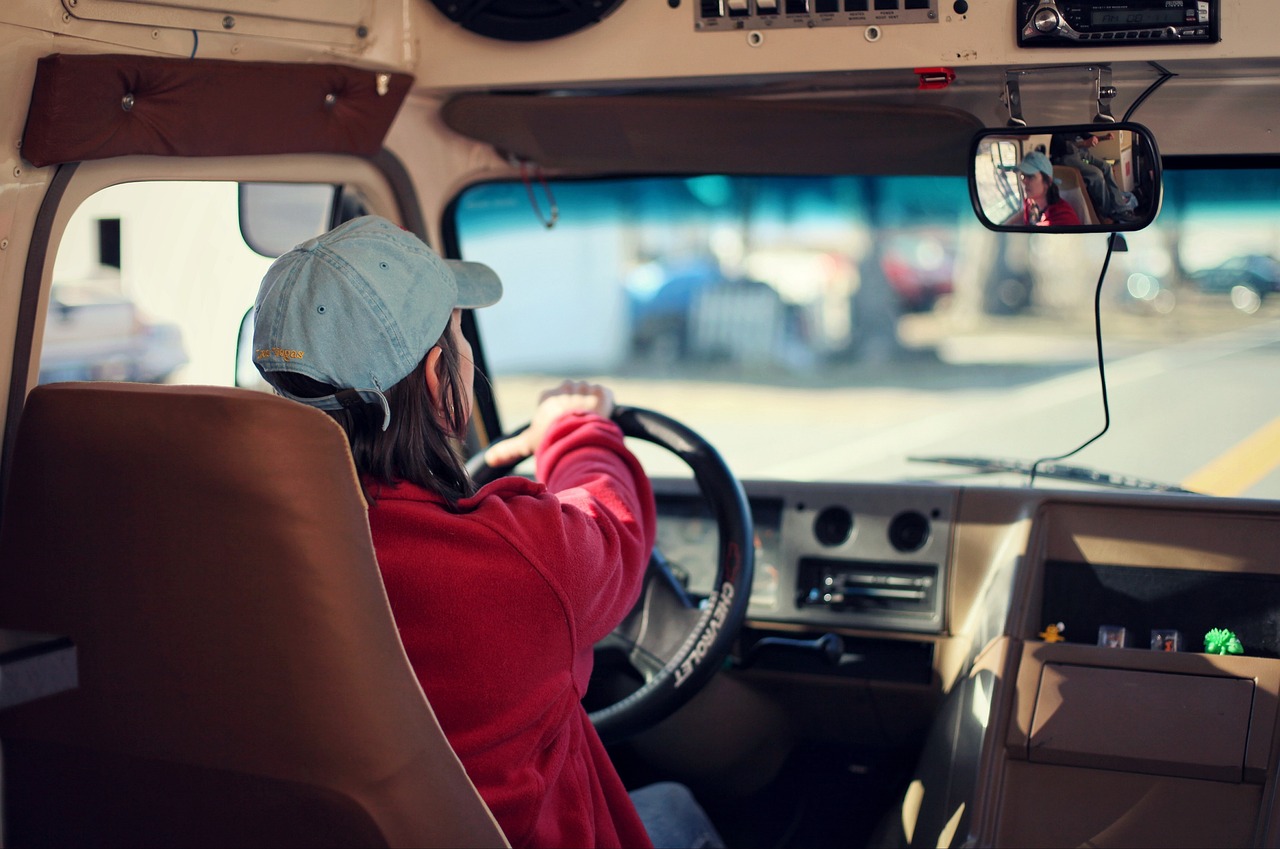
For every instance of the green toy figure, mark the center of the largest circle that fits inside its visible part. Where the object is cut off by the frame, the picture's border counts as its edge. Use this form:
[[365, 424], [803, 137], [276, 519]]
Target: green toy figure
[[1222, 641]]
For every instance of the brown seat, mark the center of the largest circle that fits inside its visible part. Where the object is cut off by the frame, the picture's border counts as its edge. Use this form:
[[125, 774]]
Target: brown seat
[[241, 681], [1072, 189]]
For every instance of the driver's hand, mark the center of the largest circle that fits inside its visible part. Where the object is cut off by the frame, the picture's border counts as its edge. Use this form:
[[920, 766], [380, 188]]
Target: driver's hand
[[571, 396]]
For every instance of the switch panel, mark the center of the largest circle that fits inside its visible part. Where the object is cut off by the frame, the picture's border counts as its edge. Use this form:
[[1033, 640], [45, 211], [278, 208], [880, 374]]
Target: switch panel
[[726, 15]]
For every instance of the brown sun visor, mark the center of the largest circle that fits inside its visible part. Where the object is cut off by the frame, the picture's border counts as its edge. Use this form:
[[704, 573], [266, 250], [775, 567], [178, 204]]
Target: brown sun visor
[[98, 106], [703, 134]]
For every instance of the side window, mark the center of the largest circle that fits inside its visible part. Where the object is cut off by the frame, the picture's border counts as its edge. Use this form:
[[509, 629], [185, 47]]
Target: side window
[[999, 191], [153, 280]]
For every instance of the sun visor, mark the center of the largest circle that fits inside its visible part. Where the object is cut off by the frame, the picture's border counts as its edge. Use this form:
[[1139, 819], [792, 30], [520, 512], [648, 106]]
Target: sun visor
[[98, 106], [703, 134]]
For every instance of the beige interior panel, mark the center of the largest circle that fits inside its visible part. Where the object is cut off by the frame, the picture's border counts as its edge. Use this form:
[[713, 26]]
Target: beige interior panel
[[1173, 672], [1173, 539], [1191, 725], [1050, 805], [323, 22]]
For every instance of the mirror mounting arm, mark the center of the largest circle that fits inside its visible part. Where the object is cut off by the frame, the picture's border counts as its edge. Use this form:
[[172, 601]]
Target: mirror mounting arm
[[1103, 91], [1106, 93], [1013, 98]]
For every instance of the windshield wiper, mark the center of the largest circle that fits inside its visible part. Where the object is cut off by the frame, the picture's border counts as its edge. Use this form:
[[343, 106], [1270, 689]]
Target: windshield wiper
[[1058, 471]]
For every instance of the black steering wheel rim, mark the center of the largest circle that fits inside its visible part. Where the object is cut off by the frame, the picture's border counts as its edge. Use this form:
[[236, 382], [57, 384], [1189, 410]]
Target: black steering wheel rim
[[703, 650]]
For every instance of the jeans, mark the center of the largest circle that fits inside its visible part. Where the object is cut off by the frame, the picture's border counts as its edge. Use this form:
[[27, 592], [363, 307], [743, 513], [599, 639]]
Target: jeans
[[673, 818]]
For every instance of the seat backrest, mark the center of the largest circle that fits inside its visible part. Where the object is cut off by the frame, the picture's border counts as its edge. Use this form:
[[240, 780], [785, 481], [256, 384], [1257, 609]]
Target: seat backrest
[[241, 680], [1071, 188]]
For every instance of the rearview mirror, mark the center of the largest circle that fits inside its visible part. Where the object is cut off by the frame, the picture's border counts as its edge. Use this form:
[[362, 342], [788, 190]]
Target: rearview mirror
[[1082, 178]]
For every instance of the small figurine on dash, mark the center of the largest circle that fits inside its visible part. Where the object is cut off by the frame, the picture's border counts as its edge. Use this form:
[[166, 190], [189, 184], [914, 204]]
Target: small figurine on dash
[[1111, 636], [1052, 633], [1222, 641], [1166, 639]]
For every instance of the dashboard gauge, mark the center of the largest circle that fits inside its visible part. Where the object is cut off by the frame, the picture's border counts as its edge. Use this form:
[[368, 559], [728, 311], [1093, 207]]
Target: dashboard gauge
[[764, 587], [689, 539]]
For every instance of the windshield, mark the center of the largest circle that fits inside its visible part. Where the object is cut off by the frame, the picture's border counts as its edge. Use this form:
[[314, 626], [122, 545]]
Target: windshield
[[835, 328]]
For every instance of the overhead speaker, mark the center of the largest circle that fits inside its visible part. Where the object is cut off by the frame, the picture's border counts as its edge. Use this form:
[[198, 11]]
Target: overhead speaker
[[525, 20]]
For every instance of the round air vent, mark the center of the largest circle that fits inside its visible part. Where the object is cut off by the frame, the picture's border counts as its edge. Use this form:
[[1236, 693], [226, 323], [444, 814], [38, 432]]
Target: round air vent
[[525, 20], [908, 531], [833, 526]]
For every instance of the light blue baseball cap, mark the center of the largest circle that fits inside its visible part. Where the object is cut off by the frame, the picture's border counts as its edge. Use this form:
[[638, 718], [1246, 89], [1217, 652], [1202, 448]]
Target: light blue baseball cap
[[1036, 162], [358, 308]]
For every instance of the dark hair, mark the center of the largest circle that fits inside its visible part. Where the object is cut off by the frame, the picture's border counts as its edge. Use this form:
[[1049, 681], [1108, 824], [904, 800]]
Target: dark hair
[[1060, 145], [416, 446]]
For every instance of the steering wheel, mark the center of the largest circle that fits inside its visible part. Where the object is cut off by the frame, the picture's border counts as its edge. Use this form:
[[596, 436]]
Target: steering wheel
[[672, 644]]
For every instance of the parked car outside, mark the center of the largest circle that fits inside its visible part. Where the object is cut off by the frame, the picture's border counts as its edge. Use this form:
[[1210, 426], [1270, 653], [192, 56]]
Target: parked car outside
[[1247, 279], [920, 268], [779, 299], [95, 333]]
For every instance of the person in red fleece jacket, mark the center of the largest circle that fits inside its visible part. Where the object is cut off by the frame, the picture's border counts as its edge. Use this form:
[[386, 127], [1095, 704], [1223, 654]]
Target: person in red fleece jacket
[[501, 593]]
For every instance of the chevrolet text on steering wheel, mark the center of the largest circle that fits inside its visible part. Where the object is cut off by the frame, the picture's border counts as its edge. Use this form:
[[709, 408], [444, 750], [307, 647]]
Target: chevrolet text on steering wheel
[[674, 644]]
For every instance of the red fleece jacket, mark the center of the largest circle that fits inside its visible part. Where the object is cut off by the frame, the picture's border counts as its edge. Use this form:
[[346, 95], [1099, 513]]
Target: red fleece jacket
[[499, 606]]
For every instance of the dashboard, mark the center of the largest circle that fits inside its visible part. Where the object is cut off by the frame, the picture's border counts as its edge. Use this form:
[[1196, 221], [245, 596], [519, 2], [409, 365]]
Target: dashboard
[[826, 555]]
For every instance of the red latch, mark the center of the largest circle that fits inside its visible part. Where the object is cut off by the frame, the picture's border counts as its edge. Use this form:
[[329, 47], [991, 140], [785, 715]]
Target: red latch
[[935, 77]]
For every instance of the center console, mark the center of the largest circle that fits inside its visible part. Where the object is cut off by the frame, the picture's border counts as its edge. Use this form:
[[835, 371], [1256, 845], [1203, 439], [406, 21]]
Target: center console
[[1121, 728]]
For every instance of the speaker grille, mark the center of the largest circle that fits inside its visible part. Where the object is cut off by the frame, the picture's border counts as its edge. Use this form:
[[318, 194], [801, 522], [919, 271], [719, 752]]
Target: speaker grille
[[525, 20]]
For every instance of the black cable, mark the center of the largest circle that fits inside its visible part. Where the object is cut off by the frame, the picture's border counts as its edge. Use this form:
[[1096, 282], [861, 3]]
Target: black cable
[[1102, 371], [1165, 76]]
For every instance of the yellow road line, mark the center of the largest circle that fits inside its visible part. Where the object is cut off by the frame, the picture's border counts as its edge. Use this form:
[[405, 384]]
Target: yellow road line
[[1242, 466]]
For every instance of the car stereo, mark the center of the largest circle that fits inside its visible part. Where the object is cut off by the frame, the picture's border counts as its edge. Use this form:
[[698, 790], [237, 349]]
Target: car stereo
[[1111, 23]]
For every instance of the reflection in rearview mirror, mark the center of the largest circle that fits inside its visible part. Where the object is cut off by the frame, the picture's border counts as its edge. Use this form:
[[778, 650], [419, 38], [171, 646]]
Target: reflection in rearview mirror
[[1084, 178]]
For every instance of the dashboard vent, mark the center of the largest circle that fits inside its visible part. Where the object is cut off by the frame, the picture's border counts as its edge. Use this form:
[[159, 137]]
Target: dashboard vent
[[909, 531], [525, 20]]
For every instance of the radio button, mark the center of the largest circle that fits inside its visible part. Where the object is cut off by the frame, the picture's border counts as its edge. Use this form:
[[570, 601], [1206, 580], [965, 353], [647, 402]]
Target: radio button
[[1046, 19]]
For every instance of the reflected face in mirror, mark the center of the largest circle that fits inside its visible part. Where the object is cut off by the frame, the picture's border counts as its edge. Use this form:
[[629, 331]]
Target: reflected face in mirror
[[1036, 185], [1042, 203], [1079, 178]]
